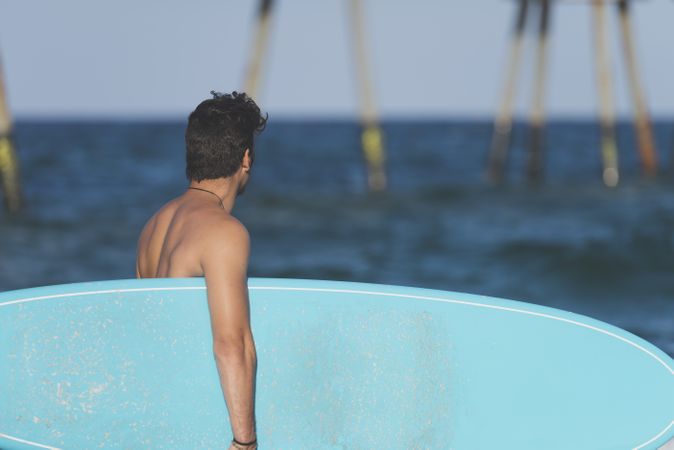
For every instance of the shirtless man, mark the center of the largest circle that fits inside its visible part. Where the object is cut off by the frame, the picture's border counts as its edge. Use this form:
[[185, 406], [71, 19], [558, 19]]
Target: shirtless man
[[195, 235]]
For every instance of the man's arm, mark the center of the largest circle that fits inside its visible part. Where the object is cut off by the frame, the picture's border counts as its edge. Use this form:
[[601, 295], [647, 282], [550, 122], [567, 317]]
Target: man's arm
[[225, 263]]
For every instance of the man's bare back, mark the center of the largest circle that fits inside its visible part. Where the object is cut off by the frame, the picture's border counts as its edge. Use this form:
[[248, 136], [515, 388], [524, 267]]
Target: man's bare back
[[196, 235], [175, 239]]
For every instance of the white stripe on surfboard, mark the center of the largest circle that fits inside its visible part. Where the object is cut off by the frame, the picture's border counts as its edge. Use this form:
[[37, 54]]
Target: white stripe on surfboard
[[654, 438], [107, 291], [353, 291], [23, 441]]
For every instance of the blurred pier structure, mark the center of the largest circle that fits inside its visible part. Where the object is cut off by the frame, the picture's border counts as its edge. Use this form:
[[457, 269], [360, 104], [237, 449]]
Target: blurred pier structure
[[504, 118], [9, 164], [642, 123], [609, 146], [372, 139], [259, 48], [500, 144], [537, 118]]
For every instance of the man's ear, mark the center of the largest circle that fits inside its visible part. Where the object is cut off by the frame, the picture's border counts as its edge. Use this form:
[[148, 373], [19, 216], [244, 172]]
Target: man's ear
[[247, 161]]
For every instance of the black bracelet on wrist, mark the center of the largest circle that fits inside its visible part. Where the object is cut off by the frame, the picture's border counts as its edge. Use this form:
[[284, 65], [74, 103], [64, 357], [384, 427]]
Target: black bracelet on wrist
[[245, 444]]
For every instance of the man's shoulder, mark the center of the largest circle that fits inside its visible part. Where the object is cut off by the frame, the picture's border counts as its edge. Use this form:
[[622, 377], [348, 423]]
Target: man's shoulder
[[224, 243], [226, 229]]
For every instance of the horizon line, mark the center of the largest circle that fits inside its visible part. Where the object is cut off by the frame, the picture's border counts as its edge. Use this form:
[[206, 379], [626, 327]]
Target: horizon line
[[322, 117]]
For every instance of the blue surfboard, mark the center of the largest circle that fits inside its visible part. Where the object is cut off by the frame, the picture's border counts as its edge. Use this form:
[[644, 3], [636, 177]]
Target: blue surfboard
[[128, 365]]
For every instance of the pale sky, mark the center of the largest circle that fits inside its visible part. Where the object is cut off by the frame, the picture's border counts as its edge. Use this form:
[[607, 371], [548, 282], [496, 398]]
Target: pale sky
[[441, 58]]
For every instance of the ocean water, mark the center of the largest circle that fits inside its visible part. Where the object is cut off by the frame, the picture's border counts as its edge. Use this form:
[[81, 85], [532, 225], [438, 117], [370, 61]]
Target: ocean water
[[567, 242]]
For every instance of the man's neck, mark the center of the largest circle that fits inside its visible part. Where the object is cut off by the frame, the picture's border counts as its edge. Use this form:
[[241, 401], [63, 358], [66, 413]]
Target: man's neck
[[226, 189]]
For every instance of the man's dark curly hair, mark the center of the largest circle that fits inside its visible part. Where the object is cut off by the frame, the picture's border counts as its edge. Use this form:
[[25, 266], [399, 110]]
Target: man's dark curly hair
[[218, 133]]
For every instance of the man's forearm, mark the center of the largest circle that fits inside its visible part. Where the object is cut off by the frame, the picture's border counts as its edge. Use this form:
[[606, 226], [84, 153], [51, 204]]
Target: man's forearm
[[237, 366]]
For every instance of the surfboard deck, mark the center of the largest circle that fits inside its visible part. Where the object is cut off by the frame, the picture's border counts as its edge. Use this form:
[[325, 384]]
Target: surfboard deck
[[128, 364]]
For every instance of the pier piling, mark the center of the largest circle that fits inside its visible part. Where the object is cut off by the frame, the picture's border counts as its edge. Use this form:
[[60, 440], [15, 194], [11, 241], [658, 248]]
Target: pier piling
[[372, 137], [609, 148], [259, 48], [537, 118], [498, 150], [642, 125], [9, 163]]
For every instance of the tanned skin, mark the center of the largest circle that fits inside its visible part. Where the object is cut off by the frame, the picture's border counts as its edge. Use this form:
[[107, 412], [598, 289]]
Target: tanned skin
[[194, 236]]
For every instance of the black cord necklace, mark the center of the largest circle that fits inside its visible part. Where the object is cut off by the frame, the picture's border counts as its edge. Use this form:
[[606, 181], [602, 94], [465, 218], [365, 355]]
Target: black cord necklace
[[210, 192]]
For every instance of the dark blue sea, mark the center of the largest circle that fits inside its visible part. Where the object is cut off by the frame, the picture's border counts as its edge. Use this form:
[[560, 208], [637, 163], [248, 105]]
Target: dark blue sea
[[567, 242]]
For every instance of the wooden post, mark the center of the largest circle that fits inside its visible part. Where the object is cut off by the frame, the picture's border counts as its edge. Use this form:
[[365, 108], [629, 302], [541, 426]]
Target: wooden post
[[9, 165], [537, 118], [372, 138], [498, 151], [609, 148], [642, 125], [259, 48]]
